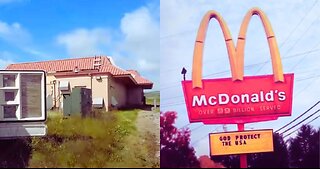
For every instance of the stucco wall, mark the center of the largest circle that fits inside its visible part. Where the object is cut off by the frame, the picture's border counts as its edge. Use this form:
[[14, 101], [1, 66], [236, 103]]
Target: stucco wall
[[117, 93], [99, 87], [135, 96], [106, 87], [50, 90]]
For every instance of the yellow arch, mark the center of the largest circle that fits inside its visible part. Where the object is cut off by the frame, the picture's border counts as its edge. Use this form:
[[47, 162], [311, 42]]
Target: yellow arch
[[199, 44], [273, 46]]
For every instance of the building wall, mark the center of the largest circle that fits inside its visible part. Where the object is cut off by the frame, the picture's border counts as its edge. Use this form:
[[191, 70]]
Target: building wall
[[99, 87], [50, 90], [135, 96], [107, 87], [117, 94]]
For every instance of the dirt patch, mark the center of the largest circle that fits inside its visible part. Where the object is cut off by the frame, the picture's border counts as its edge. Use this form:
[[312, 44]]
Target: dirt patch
[[148, 125]]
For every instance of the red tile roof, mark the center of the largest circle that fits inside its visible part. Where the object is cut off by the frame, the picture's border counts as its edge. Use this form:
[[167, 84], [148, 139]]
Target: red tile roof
[[139, 78], [68, 65]]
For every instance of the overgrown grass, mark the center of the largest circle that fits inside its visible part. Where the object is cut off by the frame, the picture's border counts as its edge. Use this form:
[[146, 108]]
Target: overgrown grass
[[111, 140]]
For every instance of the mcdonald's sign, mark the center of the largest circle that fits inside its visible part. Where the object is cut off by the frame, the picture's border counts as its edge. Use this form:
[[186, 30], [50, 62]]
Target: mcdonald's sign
[[237, 99]]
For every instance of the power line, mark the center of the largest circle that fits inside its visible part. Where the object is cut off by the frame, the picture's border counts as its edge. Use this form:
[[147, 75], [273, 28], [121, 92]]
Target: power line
[[175, 84], [302, 19], [185, 126], [169, 98], [312, 82], [303, 58], [300, 122], [298, 117], [311, 77], [194, 143], [291, 33], [299, 128], [197, 128], [296, 42], [176, 34], [302, 35], [173, 104]]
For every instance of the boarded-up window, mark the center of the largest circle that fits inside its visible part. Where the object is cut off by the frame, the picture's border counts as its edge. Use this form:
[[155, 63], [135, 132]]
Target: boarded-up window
[[9, 80], [9, 96], [30, 95], [9, 111]]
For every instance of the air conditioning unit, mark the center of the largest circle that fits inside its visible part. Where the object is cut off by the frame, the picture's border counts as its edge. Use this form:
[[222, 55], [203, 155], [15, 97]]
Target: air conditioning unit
[[64, 87], [98, 77]]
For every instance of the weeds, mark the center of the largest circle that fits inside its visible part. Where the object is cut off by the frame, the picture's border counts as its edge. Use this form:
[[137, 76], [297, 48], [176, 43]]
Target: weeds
[[102, 141]]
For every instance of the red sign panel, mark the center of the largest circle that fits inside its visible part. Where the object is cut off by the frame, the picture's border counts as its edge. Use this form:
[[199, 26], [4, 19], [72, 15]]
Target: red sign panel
[[223, 101]]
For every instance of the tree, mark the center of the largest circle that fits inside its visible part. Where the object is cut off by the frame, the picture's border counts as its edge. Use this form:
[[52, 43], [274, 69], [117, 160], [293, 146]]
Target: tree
[[175, 149], [304, 148], [229, 161], [206, 162], [279, 158]]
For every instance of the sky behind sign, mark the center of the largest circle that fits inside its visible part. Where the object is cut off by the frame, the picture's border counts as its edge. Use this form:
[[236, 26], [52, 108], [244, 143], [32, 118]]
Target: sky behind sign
[[40, 30], [295, 24]]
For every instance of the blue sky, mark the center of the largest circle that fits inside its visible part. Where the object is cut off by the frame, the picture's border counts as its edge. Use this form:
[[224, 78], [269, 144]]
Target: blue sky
[[34, 30], [296, 26]]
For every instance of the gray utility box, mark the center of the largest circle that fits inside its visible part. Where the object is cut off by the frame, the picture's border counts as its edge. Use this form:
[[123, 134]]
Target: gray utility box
[[78, 102]]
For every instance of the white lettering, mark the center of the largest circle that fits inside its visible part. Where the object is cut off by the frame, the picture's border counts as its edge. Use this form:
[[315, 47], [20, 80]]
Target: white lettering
[[212, 101], [245, 98], [199, 101], [282, 96], [269, 96], [235, 99], [254, 98], [261, 96], [226, 100]]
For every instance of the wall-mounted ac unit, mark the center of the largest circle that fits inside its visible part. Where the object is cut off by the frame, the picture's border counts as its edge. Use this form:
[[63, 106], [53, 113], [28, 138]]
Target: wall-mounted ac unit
[[64, 87]]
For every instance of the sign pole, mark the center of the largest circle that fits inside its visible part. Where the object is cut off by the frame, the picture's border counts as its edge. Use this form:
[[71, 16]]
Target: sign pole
[[243, 157]]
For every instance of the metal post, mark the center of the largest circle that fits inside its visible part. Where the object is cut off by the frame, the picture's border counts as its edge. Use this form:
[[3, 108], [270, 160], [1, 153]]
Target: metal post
[[243, 157]]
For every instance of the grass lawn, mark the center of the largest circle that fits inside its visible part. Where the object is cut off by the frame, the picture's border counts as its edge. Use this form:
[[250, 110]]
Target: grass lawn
[[109, 140]]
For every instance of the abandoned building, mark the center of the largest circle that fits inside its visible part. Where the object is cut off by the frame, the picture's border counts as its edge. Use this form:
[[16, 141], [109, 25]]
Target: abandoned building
[[111, 86]]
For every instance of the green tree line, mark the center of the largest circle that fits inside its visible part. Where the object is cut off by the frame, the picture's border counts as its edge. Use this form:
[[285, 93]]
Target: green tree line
[[300, 151]]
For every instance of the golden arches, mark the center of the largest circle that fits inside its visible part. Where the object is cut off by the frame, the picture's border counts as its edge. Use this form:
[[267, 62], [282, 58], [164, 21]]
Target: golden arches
[[273, 46], [199, 44], [236, 55]]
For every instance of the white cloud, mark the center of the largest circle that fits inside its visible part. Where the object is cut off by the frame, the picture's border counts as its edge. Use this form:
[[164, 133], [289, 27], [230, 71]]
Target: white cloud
[[141, 38], [85, 42], [19, 37], [133, 45], [14, 33], [5, 59], [5, 63]]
